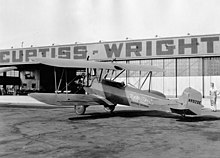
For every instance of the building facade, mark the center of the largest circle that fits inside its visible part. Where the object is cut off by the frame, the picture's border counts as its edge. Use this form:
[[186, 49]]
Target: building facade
[[189, 61]]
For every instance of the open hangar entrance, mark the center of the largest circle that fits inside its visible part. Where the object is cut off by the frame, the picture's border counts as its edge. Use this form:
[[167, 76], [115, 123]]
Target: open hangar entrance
[[9, 82], [30, 78], [58, 79]]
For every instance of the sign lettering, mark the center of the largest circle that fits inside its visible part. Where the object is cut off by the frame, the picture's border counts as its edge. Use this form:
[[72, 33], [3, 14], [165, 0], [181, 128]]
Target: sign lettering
[[4, 57], [154, 48], [113, 50], [135, 47], [17, 57], [80, 52], [165, 47], [210, 43], [193, 46]]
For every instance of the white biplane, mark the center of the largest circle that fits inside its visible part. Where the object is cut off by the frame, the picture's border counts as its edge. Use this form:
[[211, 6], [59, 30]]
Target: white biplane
[[103, 89]]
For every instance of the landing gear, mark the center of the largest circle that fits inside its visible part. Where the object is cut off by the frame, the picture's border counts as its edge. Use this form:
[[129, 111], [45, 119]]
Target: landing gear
[[80, 110], [183, 115], [109, 109]]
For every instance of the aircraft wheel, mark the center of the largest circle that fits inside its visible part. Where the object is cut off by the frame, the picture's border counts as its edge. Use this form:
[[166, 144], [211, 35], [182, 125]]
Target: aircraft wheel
[[183, 115], [80, 110], [109, 108]]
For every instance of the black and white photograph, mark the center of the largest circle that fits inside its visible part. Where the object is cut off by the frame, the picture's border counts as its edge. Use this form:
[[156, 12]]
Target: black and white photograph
[[109, 79]]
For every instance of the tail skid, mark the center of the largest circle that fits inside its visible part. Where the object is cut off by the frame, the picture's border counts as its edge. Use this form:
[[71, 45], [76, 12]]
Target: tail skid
[[189, 103]]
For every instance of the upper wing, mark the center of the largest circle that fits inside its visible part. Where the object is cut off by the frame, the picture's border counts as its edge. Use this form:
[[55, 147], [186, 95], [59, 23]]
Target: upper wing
[[5, 69], [135, 67], [65, 63], [92, 64]]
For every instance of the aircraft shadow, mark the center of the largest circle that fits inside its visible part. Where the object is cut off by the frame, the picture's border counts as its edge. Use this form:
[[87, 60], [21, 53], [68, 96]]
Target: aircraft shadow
[[198, 118], [125, 114], [140, 113]]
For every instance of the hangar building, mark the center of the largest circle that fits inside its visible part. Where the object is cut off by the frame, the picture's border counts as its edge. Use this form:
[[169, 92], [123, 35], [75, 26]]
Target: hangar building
[[188, 61]]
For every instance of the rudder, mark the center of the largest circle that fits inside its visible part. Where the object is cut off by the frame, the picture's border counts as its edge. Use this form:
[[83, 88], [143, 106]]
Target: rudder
[[189, 103]]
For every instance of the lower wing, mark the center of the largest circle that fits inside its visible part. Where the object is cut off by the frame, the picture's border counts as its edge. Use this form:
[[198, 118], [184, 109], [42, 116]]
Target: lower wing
[[70, 99]]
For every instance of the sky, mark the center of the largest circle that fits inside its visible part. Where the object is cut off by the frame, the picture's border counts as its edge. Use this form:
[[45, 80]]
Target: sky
[[47, 22]]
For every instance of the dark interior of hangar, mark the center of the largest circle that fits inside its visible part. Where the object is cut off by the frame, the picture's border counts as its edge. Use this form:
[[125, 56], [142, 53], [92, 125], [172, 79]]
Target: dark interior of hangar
[[41, 78], [48, 82], [5, 80]]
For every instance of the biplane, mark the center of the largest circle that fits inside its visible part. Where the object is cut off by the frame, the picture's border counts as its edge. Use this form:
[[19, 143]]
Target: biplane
[[102, 88]]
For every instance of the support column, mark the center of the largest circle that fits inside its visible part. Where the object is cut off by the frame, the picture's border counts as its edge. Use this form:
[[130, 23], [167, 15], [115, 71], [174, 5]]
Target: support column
[[176, 75], [4, 85], [203, 79]]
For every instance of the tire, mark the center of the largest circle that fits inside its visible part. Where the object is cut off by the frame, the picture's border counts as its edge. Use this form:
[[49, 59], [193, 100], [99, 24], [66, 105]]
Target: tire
[[80, 110], [109, 109]]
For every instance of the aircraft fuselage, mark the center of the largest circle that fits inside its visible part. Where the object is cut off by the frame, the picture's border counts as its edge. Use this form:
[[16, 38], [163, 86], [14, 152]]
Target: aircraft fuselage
[[118, 93]]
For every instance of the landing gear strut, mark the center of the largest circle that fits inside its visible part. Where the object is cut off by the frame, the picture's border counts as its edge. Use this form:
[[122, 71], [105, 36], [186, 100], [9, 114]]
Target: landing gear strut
[[109, 109], [80, 110]]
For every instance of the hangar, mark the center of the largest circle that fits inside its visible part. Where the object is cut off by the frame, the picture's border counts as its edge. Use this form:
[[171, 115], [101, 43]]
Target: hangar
[[188, 61]]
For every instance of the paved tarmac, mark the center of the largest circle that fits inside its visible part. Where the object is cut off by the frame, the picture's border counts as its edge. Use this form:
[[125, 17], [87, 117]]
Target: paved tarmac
[[36, 132]]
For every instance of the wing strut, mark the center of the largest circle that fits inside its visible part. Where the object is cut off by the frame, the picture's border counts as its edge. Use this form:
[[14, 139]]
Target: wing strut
[[119, 74], [100, 76], [55, 78], [66, 82], [112, 73], [61, 79], [148, 75]]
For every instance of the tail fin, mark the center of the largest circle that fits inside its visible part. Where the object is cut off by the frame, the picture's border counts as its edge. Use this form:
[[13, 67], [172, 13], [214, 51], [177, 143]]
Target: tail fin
[[190, 101]]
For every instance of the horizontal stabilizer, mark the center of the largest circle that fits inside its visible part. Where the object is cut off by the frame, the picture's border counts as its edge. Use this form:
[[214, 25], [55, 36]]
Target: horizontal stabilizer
[[182, 111]]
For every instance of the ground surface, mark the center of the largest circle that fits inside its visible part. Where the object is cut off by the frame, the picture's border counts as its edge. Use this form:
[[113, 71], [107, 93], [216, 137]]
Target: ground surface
[[128, 133]]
